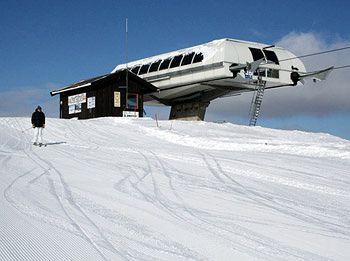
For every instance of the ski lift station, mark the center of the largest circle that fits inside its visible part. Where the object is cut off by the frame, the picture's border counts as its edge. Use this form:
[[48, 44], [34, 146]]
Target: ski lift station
[[187, 80]]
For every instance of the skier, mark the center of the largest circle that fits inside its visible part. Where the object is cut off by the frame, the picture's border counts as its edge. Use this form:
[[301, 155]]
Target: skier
[[38, 122]]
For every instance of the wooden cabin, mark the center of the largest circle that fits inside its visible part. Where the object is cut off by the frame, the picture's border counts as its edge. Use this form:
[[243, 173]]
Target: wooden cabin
[[119, 94]]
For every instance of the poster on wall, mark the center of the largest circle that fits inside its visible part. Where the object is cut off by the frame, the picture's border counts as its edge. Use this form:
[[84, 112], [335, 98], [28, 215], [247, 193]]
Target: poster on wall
[[116, 99], [75, 108], [91, 102], [78, 108], [77, 99], [71, 109]]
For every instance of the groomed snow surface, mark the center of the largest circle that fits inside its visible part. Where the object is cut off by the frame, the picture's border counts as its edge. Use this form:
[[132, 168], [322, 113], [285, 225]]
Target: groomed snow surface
[[123, 189]]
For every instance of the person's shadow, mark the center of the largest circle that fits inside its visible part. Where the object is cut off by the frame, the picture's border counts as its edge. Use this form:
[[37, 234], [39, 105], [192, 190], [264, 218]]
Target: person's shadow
[[55, 143]]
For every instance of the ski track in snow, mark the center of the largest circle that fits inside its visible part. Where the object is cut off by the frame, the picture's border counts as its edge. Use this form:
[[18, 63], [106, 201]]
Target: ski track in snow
[[122, 189]]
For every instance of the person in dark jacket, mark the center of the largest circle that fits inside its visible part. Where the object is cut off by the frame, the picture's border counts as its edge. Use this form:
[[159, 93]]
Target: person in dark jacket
[[38, 122]]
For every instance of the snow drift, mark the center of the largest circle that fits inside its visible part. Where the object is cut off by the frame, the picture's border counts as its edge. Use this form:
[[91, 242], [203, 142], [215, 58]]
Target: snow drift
[[123, 189]]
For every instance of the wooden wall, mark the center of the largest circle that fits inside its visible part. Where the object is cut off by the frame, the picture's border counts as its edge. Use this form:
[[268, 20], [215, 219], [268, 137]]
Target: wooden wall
[[103, 91]]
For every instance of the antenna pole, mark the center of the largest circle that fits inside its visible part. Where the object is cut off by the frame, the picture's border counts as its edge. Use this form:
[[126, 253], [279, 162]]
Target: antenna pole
[[126, 61]]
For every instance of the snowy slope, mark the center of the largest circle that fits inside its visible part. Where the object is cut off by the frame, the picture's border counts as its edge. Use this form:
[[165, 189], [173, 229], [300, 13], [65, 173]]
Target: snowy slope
[[123, 189]]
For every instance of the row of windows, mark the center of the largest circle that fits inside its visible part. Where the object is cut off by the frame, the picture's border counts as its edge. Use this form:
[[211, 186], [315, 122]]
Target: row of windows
[[190, 58], [172, 62]]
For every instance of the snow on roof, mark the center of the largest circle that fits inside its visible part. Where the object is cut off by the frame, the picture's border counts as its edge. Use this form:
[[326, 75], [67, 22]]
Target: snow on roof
[[207, 49], [146, 87]]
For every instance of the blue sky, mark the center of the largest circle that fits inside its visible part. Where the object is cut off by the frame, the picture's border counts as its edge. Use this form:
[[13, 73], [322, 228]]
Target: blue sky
[[48, 44]]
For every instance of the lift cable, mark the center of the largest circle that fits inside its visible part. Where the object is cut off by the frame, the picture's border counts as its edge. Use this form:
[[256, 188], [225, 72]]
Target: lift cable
[[318, 53], [286, 70], [341, 67]]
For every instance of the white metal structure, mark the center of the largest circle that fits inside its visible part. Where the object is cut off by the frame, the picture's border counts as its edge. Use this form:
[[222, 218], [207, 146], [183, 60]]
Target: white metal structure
[[212, 67], [219, 68]]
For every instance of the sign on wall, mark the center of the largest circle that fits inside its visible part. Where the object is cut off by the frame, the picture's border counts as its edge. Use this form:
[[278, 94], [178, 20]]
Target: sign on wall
[[131, 114], [116, 99], [75, 108], [248, 75], [71, 109], [76, 99], [91, 102]]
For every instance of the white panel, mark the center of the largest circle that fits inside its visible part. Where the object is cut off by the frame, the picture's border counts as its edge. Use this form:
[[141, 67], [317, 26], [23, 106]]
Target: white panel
[[76, 99], [91, 102], [134, 114]]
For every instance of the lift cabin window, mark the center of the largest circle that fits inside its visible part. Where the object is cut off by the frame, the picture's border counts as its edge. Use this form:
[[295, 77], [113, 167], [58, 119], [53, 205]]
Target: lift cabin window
[[272, 73], [132, 101], [271, 56], [198, 58], [187, 59], [154, 66], [135, 70], [144, 69], [260, 73], [256, 53], [176, 61], [165, 64]]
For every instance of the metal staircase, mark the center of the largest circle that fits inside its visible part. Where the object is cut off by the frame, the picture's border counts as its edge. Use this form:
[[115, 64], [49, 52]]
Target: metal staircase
[[256, 102]]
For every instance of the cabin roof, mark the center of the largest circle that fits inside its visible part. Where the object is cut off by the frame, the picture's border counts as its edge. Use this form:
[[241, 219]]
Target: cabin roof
[[208, 49], [145, 86]]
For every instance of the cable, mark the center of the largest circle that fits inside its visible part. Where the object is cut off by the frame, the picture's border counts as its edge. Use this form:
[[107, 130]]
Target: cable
[[286, 70], [341, 67], [336, 68], [313, 54]]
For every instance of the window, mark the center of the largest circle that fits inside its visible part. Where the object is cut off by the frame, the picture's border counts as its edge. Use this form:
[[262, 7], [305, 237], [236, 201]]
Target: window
[[144, 69], [135, 69], [154, 66], [198, 58], [271, 56], [187, 59], [256, 53], [132, 101], [260, 72], [272, 73], [176, 61], [165, 64]]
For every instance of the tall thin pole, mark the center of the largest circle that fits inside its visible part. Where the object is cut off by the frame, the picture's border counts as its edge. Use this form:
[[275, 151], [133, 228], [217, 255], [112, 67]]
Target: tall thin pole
[[126, 61]]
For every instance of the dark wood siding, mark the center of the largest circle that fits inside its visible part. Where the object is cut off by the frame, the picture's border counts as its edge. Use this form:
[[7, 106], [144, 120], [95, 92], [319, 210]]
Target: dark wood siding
[[103, 91]]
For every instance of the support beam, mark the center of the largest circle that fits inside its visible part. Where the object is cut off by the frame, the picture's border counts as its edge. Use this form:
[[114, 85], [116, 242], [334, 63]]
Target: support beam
[[193, 111]]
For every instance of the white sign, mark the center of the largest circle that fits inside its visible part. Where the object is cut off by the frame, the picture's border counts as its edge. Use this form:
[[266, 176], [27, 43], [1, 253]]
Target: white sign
[[75, 108], [91, 102], [131, 114], [116, 99], [248, 75], [76, 99], [71, 109]]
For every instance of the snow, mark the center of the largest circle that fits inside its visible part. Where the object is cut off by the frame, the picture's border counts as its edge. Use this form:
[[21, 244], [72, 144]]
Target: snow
[[208, 50], [123, 189]]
